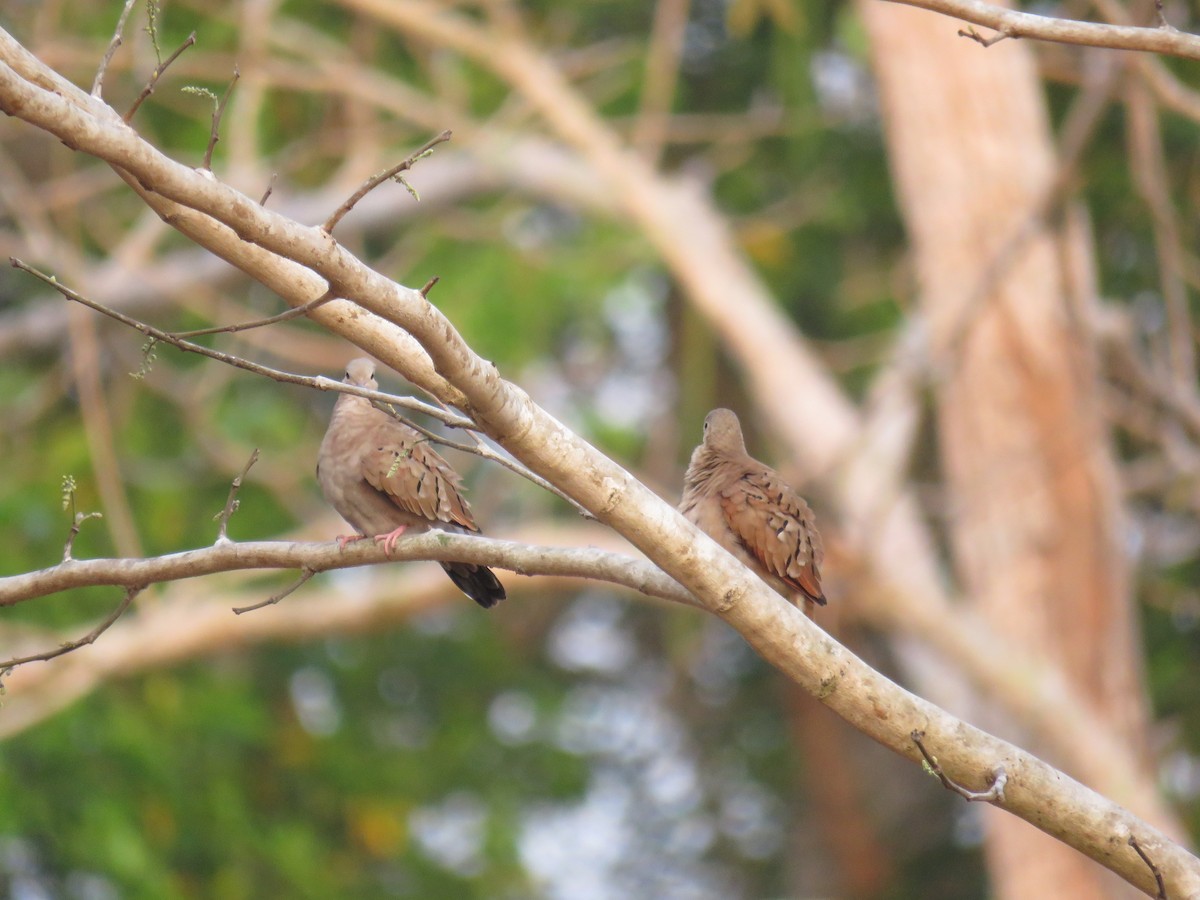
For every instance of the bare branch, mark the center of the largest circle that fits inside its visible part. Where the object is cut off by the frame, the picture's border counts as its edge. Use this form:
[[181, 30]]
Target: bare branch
[[232, 503], [130, 592], [158, 73], [575, 562], [1013, 23], [374, 181], [998, 777], [117, 40], [294, 313]]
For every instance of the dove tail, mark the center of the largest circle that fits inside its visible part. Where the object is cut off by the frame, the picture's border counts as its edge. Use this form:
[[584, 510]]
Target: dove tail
[[477, 582]]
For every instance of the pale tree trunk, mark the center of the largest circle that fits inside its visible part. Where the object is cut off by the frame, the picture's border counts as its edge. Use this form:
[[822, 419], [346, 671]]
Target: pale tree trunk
[[1031, 487]]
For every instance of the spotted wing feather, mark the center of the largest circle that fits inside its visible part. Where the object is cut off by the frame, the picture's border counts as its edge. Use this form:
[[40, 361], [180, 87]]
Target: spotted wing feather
[[401, 464], [777, 527]]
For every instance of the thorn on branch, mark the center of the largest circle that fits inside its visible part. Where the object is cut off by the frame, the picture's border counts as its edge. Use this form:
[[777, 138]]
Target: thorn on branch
[[9, 664], [305, 574], [1158, 877], [117, 40], [998, 778], [429, 286], [158, 73], [375, 180], [231, 502], [294, 313], [980, 39]]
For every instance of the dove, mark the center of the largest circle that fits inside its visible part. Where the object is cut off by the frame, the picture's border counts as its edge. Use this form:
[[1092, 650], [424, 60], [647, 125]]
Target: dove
[[749, 510], [385, 478]]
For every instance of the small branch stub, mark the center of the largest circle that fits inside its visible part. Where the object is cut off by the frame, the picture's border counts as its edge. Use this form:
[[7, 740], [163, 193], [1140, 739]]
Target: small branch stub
[[1154, 870], [998, 780]]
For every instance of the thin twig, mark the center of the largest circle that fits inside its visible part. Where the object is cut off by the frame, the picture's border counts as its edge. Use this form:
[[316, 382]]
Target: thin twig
[[130, 592], [994, 794], [1133, 842], [158, 73], [294, 313], [305, 574], [375, 180], [429, 285], [215, 134], [1162, 23], [319, 382], [232, 502], [980, 39], [117, 40]]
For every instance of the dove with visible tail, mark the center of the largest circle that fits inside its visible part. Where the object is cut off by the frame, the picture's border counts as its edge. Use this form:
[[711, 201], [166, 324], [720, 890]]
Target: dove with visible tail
[[385, 478]]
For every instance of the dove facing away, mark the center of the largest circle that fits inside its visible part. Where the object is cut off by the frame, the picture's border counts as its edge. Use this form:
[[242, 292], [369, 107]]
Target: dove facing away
[[749, 510], [385, 478]]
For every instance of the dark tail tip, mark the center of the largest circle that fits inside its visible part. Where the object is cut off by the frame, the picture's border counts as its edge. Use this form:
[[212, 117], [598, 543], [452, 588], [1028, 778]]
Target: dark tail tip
[[477, 582]]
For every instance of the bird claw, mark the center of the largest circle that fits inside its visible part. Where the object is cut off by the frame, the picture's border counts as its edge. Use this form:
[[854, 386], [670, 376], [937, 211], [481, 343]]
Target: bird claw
[[389, 540], [344, 539]]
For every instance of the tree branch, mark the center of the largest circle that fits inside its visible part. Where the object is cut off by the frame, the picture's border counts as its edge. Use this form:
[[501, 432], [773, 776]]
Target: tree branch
[[1016, 24], [228, 556]]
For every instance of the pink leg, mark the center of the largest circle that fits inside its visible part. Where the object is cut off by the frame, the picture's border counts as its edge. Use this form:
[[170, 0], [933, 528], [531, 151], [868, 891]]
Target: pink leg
[[389, 540], [344, 539]]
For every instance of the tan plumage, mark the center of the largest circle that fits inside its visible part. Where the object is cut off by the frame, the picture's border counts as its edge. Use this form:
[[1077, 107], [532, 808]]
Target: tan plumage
[[384, 478], [750, 511]]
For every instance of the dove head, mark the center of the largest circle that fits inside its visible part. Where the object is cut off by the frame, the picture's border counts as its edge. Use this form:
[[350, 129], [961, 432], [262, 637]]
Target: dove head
[[361, 373], [723, 432]]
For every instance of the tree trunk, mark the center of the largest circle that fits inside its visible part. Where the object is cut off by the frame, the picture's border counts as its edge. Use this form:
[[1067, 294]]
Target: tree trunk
[[1031, 482]]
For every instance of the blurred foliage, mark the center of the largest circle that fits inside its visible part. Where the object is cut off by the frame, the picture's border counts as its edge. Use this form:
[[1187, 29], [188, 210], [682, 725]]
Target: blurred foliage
[[642, 752]]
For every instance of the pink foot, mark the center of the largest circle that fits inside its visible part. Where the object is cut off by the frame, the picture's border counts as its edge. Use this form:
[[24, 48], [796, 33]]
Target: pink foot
[[389, 540], [344, 539]]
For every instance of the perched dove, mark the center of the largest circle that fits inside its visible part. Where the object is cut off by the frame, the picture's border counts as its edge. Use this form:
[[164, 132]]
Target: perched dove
[[750, 511], [385, 477]]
